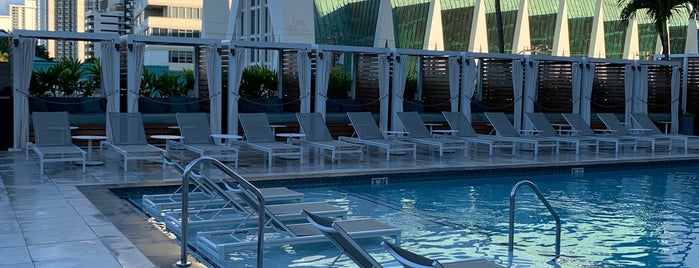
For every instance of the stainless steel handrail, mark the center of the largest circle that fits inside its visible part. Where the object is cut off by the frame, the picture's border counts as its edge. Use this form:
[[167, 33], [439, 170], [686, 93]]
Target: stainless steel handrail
[[189, 171], [548, 206]]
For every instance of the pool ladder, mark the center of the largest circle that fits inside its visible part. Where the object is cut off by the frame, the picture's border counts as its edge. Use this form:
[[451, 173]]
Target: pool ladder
[[548, 206], [194, 169]]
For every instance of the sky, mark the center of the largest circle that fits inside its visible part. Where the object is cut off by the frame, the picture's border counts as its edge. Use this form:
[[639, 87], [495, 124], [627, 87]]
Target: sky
[[5, 3]]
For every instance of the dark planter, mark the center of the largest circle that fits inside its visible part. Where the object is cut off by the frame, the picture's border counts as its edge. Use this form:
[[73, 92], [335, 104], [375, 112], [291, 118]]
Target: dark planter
[[412, 106], [193, 105], [68, 104], [251, 105], [333, 106], [38, 105], [93, 105], [273, 105], [153, 105], [687, 125], [178, 105], [349, 105]]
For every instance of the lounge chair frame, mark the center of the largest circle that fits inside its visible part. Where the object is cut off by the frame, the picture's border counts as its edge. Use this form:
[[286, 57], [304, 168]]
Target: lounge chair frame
[[194, 127], [127, 137], [318, 136], [417, 132], [53, 141], [644, 121], [259, 136], [504, 128], [459, 123], [369, 134]]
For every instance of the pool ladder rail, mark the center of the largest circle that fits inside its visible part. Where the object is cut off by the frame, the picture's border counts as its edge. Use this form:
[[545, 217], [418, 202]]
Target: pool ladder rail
[[548, 206], [194, 169]]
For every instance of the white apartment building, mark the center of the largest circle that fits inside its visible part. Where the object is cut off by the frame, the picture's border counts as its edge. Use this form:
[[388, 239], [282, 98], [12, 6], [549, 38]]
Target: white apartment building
[[102, 22], [168, 18], [21, 17], [69, 16]]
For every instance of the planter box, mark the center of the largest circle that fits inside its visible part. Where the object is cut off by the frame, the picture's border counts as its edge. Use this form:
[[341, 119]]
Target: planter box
[[687, 125], [93, 105], [411, 106], [68, 104], [153, 105], [260, 105]]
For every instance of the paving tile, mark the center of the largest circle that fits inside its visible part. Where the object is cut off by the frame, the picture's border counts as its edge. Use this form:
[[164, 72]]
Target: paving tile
[[42, 213], [12, 240], [68, 250], [77, 233], [52, 224], [91, 260], [18, 265], [131, 257], [14, 255]]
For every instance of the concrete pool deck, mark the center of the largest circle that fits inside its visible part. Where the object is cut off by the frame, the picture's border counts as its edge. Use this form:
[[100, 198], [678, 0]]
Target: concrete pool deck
[[49, 222]]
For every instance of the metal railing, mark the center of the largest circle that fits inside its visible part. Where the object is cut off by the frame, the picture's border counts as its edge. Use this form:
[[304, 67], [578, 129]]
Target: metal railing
[[194, 169], [548, 206]]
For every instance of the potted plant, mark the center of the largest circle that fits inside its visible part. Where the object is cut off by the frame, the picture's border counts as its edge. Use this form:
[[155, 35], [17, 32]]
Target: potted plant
[[339, 87], [410, 101], [88, 102], [686, 126], [258, 89], [166, 91]]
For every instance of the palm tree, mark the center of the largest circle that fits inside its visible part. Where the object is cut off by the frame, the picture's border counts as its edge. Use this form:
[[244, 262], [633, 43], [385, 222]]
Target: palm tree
[[659, 11], [498, 21]]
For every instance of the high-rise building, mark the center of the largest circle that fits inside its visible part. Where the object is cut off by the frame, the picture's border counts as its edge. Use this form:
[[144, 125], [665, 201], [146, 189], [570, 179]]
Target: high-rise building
[[67, 16], [21, 17], [102, 22], [168, 18]]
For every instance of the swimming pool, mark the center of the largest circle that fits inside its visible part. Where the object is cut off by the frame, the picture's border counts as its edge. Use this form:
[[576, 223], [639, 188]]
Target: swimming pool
[[633, 218]]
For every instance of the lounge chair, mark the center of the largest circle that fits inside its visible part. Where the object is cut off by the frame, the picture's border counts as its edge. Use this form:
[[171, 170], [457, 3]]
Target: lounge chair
[[217, 244], [369, 134], [642, 120], [504, 128], [53, 141], [458, 122], [618, 129], [337, 234], [582, 129], [194, 127], [318, 135], [127, 137], [417, 132], [545, 129], [259, 136], [237, 208]]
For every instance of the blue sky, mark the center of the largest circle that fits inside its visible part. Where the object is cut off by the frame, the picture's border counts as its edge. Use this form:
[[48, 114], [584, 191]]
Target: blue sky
[[5, 3]]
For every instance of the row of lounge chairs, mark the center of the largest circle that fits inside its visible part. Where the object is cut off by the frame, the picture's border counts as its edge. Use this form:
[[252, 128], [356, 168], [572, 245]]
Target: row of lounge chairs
[[126, 136]]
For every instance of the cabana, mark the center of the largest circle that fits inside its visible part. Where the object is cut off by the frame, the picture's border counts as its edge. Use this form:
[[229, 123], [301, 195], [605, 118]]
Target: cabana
[[237, 51], [24, 43], [135, 50]]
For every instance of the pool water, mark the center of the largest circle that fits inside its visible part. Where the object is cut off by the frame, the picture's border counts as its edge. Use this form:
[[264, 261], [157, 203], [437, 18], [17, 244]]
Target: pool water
[[632, 218]]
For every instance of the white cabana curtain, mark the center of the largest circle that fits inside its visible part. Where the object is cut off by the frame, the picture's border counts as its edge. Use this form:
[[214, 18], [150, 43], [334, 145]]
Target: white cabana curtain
[[22, 67], [454, 76], [530, 90], [641, 91], [469, 72], [517, 76], [213, 79], [629, 81], [110, 75], [304, 68], [135, 70], [323, 68], [588, 78], [675, 97], [400, 73], [576, 83], [384, 70], [235, 75]]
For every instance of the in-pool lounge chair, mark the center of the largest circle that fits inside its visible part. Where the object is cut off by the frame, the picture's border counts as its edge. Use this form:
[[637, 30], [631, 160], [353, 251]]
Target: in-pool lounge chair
[[504, 128], [458, 122], [318, 135], [259, 136], [194, 128], [53, 141], [127, 137], [218, 244], [369, 134], [618, 129], [417, 132], [338, 235], [582, 129], [652, 130], [545, 129], [236, 208]]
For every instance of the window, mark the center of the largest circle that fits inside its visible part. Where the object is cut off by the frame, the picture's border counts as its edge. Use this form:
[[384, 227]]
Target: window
[[180, 56]]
